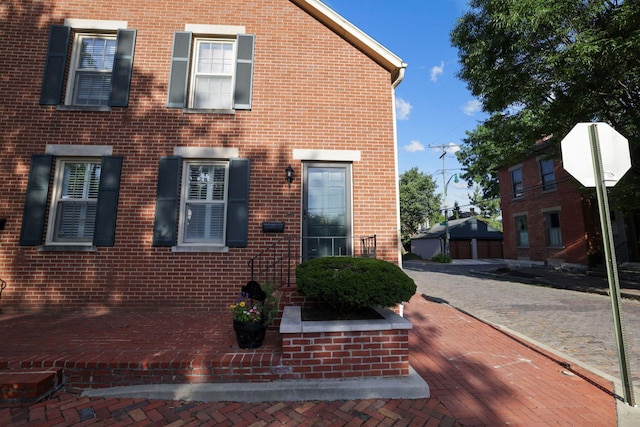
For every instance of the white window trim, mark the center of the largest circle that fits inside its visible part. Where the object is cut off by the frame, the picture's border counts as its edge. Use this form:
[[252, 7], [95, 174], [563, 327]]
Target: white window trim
[[55, 196], [208, 153], [327, 155], [79, 150], [193, 75], [73, 68], [94, 24], [223, 30], [183, 203]]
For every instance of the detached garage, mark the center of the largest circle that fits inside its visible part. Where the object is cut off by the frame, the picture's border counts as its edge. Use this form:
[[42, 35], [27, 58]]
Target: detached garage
[[469, 238]]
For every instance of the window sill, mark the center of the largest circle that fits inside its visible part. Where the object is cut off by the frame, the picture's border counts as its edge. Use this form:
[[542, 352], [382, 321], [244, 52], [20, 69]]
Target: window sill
[[207, 111], [202, 248], [99, 108], [67, 248]]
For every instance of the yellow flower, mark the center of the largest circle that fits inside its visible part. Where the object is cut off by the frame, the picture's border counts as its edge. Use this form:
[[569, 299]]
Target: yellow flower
[[242, 303], [232, 306]]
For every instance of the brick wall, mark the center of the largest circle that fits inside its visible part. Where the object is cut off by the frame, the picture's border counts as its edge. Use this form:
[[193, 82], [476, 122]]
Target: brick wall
[[311, 90], [565, 198], [347, 354]]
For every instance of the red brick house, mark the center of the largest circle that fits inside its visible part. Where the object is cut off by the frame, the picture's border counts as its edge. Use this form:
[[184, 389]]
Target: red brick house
[[146, 147], [548, 217]]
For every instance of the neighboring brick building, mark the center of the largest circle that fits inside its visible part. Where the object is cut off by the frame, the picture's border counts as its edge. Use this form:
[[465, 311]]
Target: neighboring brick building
[[145, 143], [547, 217]]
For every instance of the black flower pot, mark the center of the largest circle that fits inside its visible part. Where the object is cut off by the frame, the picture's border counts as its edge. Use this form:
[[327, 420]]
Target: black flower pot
[[249, 334]]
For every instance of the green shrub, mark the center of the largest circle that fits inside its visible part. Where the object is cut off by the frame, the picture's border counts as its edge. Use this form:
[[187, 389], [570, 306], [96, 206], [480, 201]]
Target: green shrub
[[410, 256], [348, 284], [441, 258]]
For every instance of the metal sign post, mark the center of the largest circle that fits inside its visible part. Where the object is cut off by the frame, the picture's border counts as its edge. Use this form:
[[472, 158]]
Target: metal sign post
[[610, 258]]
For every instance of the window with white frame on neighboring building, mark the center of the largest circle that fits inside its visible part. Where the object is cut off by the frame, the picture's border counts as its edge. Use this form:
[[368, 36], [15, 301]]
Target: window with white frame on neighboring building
[[211, 69], [552, 227], [522, 231], [547, 174], [98, 74], [516, 182]]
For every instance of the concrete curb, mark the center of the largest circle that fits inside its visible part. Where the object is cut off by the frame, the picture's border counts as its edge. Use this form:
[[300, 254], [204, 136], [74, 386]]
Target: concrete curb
[[410, 387]]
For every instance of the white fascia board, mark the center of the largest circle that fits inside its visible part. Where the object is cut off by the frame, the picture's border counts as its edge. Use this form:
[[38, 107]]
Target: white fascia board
[[356, 37]]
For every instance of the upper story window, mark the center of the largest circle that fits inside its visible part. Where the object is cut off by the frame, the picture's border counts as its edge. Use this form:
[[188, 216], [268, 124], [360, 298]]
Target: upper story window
[[91, 69], [93, 60], [516, 182], [212, 74], [211, 69], [82, 198], [548, 175]]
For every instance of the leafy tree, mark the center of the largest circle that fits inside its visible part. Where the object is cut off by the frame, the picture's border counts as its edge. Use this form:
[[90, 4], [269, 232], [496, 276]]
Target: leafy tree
[[456, 212], [541, 66], [489, 208], [418, 202]]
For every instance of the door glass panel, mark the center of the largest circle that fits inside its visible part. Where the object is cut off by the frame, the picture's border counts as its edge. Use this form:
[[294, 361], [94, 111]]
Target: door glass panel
[[326, 218]]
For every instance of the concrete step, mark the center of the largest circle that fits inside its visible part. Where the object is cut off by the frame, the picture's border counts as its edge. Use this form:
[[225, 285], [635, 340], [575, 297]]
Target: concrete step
[[22, 386]]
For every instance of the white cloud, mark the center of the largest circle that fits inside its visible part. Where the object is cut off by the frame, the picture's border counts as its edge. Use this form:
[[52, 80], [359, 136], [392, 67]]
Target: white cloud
[[414, 146], [472, 107], [452, 148], [403, 109], [437, 71]]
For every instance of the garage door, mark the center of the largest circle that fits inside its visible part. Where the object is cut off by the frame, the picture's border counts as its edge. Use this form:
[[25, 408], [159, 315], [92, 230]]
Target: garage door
[[460, 249], [490, 249]]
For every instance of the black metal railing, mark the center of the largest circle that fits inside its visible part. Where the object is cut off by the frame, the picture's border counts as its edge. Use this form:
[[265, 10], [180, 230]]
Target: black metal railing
[[274, 264]]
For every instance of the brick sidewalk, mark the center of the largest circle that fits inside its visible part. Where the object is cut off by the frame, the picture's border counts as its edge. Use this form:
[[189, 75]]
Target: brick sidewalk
[[478, 375]]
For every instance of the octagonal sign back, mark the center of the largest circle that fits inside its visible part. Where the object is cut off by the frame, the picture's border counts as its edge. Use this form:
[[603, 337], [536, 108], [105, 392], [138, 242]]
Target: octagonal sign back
[[578, 161]]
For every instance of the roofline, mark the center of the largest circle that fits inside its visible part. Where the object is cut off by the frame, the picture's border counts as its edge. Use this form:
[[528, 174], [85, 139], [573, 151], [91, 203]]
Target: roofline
[[358, 38]]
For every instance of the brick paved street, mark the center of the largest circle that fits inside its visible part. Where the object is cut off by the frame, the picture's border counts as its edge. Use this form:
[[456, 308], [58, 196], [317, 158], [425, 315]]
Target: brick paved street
[[575, 323]]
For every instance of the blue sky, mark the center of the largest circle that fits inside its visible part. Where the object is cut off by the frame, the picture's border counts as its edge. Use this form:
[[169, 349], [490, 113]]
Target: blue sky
[[434, 107]]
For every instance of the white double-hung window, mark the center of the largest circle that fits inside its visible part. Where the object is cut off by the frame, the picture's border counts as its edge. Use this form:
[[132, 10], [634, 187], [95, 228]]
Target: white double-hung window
[[204, 203], [89, 64], [92, 66], [74, 201], [213, 71]]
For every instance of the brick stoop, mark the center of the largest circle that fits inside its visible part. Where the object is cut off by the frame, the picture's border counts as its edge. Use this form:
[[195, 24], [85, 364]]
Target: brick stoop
[[101, 369], [25, 386]]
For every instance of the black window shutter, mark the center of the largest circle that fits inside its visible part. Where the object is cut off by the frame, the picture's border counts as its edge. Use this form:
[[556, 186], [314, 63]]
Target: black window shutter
[[164, 227], [107, 207], [238, 203], [122, 68], [51, 90], [35, 205], [177, 97], [244, 72]]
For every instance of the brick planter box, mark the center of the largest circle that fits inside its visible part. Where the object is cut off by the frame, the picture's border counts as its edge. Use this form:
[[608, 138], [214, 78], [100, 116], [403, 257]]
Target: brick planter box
[[345, 348]]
